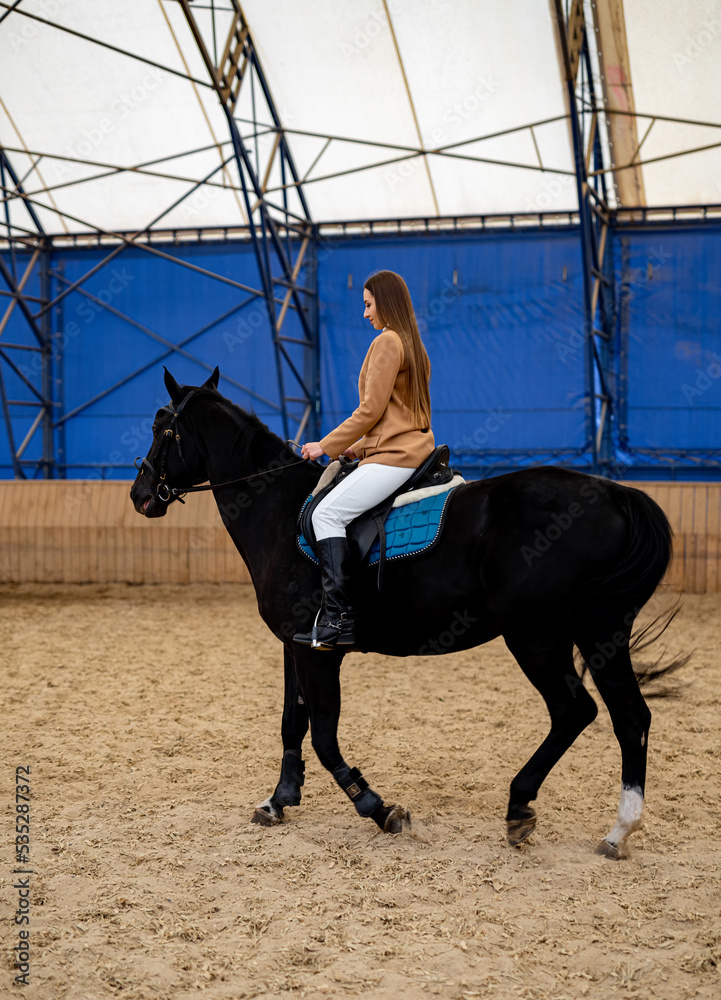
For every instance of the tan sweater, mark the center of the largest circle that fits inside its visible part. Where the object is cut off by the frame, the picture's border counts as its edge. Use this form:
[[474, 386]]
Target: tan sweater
[[382, 429]]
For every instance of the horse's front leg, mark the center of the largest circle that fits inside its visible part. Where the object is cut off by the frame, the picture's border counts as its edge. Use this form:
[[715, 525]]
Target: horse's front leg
[[319, 676], [293, 729]]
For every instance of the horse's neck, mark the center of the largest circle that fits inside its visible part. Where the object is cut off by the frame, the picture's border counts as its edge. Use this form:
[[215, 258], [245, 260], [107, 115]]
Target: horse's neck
[[264, 507]]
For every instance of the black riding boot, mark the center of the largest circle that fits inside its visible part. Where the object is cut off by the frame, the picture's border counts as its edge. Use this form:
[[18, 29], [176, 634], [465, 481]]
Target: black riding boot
[[335, 624]]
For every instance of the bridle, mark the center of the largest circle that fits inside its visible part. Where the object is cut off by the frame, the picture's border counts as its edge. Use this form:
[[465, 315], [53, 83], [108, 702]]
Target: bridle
[[163, 491], [167, 493]]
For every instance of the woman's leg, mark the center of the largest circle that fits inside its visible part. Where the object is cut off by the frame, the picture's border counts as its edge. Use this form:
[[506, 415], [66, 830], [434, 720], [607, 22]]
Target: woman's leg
[[363, 489]]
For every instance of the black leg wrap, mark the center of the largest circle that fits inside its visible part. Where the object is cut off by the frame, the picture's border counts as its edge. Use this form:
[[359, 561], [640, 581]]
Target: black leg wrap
[[357, 789], [292, 777]]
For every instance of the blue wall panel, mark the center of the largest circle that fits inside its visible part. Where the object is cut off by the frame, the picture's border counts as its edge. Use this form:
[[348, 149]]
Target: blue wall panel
[[501, 315], [670, 329], [171, 304]]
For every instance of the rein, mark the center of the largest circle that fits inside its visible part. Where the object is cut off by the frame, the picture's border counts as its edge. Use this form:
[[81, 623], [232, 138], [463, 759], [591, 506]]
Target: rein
[[167, 493]]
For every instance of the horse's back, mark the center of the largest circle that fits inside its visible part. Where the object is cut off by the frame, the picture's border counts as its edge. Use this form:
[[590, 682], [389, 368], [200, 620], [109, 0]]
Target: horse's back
[[567, 543]]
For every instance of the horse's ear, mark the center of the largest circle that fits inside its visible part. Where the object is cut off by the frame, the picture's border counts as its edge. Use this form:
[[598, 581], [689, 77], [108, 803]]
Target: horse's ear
[[212, 382], [176, 393]]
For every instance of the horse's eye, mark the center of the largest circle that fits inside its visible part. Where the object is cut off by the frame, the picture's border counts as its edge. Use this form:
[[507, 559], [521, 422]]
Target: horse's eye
[[154, 429]]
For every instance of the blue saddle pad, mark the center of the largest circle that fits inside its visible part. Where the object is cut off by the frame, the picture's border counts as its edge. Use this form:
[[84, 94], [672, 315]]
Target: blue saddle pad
[[410, 529]]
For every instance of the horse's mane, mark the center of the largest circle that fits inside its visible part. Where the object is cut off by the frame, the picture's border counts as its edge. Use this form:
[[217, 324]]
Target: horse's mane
[[252, 431]]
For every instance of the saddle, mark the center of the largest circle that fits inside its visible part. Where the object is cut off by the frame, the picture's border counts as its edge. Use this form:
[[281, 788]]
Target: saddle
[[368, 531]]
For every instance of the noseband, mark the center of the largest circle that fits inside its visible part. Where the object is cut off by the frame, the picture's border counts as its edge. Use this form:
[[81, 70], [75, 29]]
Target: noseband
[[167, 493]]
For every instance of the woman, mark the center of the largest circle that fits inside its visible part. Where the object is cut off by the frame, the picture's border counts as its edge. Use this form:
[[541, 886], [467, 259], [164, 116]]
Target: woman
[[390, 433]]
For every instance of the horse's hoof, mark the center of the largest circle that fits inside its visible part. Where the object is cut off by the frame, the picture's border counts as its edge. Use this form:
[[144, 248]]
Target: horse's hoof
[[521, 826], [616, 852], [397, 820], [264, 817]]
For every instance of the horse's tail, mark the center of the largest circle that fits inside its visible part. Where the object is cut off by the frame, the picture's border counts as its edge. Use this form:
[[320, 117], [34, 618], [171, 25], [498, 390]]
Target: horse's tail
[[649, 671], [626, 586]]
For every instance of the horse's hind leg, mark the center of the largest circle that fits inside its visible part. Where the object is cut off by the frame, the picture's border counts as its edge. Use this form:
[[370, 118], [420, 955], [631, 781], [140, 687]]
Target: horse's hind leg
[[550, 668], [609, 661], [293, 729]]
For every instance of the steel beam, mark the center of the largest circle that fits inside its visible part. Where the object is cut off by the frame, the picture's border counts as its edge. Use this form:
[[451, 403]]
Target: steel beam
[[106, 45], [42, 395], [594, 219], [274, 255]]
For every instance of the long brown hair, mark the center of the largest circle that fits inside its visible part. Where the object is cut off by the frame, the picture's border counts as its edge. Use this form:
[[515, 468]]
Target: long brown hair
[[395, 310]]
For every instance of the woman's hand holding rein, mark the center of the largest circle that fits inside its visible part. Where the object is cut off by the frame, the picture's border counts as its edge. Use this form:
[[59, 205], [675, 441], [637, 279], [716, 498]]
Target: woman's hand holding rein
[[312, 450]]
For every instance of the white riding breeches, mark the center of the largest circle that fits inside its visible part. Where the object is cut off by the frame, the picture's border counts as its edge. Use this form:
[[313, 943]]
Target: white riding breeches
[[365, 487]]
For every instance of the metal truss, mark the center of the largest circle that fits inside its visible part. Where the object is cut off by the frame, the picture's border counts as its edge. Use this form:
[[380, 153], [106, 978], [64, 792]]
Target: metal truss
[[33, 383], [610, 190], [255, 164], [595, 222], [238, 55], [279, 259], [284, 240]]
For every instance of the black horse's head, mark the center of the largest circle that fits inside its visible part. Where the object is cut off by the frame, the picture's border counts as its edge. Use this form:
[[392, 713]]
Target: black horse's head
[[173, 461]]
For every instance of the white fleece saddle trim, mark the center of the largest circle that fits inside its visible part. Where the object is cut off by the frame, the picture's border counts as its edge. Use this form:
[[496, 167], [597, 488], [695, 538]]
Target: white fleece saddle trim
[[427, 491]]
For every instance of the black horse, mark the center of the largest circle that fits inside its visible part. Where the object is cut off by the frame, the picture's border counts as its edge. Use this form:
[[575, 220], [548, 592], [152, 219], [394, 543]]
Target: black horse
[[546, 557]]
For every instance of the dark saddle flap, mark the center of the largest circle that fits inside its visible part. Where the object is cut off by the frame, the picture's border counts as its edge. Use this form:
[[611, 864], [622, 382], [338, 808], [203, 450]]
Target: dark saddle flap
[[363, 531]]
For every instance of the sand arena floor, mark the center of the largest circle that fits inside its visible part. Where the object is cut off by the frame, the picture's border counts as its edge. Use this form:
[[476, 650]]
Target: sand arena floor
[[150, 719]]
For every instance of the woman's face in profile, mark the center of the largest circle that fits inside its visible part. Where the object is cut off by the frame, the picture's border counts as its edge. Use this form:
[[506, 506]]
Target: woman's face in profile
[[370, 310]]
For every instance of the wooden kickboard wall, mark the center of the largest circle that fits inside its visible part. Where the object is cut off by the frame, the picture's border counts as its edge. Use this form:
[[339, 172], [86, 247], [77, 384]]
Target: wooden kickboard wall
[[75, 531], [55, 531]]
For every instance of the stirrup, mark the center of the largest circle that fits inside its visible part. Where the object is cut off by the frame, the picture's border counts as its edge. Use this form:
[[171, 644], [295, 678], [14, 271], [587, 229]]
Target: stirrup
[[335, 634], [315, 642]]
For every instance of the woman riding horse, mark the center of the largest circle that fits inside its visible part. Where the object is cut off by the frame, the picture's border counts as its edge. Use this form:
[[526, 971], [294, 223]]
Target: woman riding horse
[[390, 433]]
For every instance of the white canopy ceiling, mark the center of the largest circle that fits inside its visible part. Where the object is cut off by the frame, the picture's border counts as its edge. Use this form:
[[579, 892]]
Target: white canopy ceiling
[[392, 109]]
